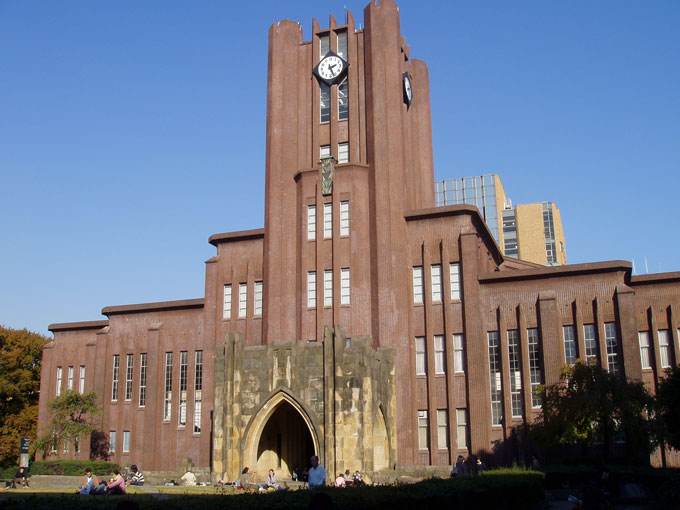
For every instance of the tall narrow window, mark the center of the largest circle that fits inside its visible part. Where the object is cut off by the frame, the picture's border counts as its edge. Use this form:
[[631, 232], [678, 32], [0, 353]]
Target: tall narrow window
[[126, 441], [645, 358], [344, 218], [612, 347], [226, 307], [422, 430], [442, 429], [454, 273], [666, 357], [590, 337], [198, 391], [69, 378], [242, 299], [461, 426], [327, 221], [570, 354], [81, 380], [129, 365], [421, 365], [458, 353], [328, 287], [343, 104], [324, 44], [324, 151], [516, 400], [114, 383], [311, 222], [76, 444], [535, 374], [436, 272], [142, 380], [342, 44], [325, 102], [344, 286], [112, 441], [417, 284], [257, 310], [495, 376], [167, 397], [439, 355], [343, 152], [311, 289], [66, 439], [183, 367]]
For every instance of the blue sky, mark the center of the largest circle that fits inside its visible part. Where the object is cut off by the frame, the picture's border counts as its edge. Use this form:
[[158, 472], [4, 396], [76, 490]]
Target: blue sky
[[132, 131]]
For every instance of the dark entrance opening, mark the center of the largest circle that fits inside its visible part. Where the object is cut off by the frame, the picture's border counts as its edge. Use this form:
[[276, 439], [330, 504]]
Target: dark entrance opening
[[285, 442]]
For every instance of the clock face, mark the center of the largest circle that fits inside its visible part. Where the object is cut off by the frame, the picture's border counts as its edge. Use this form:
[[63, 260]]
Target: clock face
[[408, 90], [330, 67]]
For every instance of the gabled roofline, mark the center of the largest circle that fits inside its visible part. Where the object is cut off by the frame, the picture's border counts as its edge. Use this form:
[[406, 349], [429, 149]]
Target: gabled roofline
[[232, 237], [160, 306], [73, 326], [557, 271]]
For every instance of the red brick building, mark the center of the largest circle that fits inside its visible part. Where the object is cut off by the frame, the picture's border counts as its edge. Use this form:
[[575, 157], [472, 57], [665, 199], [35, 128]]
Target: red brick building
[[362, 323]]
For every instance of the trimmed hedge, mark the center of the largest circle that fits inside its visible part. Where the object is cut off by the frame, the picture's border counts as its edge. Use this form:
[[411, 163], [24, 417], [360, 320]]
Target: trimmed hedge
[[71, 467]]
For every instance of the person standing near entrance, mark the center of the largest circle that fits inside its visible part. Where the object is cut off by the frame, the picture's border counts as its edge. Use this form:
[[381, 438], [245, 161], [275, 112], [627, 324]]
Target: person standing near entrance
[[317, 474]]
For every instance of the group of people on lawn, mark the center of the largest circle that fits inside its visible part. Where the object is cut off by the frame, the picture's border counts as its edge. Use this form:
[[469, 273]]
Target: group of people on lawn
[[93, 485]]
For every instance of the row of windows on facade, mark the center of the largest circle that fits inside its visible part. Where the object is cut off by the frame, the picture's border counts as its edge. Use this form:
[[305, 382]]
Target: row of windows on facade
[[168, 385], [343, 152], [328, 220], [436, 282], [342, 88], [442, 416], [112, 443]]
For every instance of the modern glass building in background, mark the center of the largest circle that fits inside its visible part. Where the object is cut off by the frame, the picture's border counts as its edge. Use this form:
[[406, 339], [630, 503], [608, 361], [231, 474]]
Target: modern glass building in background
[[530, 232]]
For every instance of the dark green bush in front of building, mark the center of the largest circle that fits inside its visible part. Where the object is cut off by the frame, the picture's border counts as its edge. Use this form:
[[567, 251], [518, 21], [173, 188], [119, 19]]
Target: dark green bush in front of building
[[72, 467]]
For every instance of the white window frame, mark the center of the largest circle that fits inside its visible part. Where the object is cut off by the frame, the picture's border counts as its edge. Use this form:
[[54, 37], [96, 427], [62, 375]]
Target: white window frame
[[183, 383], [142, 379], [454, 276], [81, 380], [114, 381], [587, 330], [129, 369], [514, 365], [344, 218], [69, 378], [126, 441], [324, 151], [257, 299], [436, 275], [569, 335], [421, 355], [343, 150], [328, 220], [328, 287], [665, 354], [167, 395], [418, 284], [226, 303], [242, 300], [439, 354], [423, 432], [311, 289], [611, 341], [311, 222], [645, 351], [535, 373], [459, 353], [345, 286], [59, 376], [461, 428], [198, 390], [442, 429], [112, 441]]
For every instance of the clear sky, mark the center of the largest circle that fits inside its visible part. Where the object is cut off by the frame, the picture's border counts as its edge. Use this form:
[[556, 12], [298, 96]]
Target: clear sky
[[131, 131]]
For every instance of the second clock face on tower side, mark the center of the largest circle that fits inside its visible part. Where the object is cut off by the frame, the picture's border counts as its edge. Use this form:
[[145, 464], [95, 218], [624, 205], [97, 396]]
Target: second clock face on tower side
[[330, 68], [408, 89]]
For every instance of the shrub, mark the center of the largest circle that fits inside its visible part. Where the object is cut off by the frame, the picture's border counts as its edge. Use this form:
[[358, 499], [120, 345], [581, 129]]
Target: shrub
[[72, 467]]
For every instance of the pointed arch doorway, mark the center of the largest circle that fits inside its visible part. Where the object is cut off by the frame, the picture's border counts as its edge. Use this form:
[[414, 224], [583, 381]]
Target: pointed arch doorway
[[281, 437]]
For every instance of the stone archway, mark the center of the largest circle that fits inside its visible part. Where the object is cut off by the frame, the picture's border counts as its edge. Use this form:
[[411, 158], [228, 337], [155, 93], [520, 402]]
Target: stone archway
[[281, 436]]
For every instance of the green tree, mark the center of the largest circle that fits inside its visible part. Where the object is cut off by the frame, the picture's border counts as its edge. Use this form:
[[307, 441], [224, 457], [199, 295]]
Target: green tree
[[668, 408], [72, 415], [589, 405], [20, 357]]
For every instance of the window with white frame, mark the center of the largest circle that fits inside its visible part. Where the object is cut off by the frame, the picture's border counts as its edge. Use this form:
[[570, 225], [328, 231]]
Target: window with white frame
[[311, 289], [461, 428], [422, 430], [226, 307], [343, 152], [81, 380], [436, 273], [611, 341], [257, 306], [645, 357], [167, 396], [69, 378], [458, 353], [590, 338], [454, 274], [665, 354], [142, 380], [327, 220], [129, 366], [324, 102], [535, 373], [439, 355], [570, 353], [126, 441], [183, 369], [442, 429], [242, 299], [342, 44], [343, 102], [311, 222], [421, 364], [324, 151], [344, 218], [328, 287], [112, 441], [114, 382], [417, 284], [495, 378], [514, 356], [58, 392], [324, 44], [344, 286], [198, 390]]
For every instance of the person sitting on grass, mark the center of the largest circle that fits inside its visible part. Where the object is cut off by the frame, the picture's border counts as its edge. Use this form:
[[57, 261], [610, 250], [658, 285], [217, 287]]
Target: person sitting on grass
[[117, 484], [340, 481], [90, 483], [136, 478]]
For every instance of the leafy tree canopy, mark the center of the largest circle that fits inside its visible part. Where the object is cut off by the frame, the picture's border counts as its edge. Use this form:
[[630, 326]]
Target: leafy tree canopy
[[668, 407], [20, 358]]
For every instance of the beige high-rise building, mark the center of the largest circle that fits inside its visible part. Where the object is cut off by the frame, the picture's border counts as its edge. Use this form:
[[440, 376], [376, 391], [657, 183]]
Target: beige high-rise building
[[531, 232]]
